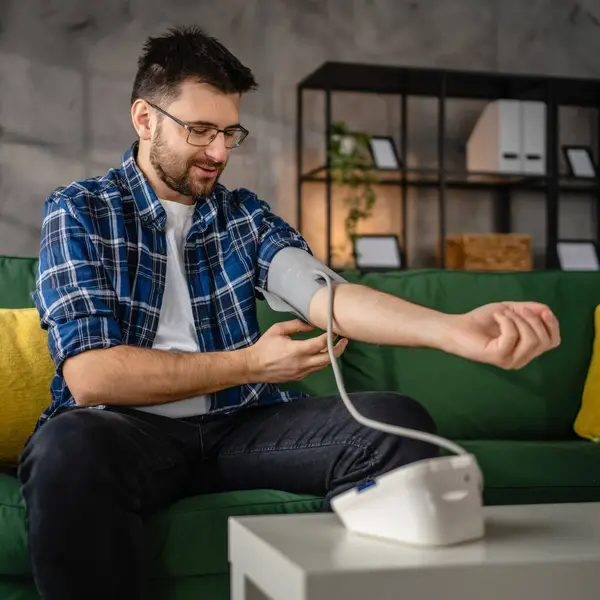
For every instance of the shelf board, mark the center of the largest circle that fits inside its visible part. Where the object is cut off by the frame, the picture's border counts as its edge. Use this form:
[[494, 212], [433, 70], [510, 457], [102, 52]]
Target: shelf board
[[419, 81], [430, 178], [582, 185]]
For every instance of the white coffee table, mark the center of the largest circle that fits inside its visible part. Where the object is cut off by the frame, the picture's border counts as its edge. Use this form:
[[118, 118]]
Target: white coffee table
[[530, 552]]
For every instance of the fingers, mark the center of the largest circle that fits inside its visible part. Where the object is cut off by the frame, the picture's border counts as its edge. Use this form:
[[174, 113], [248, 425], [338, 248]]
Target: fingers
[[290, 327], [545, 325], [552, 324], [537, 307], [313, 345], [322, 360], [528, 345], [524, 335], [543, 312], [508, 338], [538, 327]]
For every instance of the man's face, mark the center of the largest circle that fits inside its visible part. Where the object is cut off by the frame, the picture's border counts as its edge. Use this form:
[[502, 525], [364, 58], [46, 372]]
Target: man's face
[[187, 169]]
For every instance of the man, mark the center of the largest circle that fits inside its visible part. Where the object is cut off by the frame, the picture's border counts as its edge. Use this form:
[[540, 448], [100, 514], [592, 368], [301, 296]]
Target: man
[[164, 388]]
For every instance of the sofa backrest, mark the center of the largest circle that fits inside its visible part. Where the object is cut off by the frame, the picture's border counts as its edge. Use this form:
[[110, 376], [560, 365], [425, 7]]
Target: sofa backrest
[[471, 400], [468, 400], [17, 281]]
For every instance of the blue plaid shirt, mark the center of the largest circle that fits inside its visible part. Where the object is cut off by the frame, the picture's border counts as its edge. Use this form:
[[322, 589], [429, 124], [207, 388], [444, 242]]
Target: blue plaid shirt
[[103, 264]]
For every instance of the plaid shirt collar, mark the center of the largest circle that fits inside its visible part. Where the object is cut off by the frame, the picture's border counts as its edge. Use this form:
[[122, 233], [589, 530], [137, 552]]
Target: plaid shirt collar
[[148, 205]]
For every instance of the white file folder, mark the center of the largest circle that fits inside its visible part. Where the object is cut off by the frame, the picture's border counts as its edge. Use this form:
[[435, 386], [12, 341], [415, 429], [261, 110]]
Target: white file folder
[[510, 138], [495, 144], [533, 141]]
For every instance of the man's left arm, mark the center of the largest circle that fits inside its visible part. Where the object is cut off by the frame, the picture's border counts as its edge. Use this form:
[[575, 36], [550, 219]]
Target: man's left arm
[[505, 334], [367, 315]]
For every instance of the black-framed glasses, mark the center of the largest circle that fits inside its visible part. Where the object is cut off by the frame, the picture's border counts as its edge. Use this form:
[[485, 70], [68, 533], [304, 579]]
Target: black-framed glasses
[[204, 136]]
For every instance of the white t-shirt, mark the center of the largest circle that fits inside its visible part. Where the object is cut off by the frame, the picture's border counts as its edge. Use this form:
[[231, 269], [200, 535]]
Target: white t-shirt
[[176, 330]]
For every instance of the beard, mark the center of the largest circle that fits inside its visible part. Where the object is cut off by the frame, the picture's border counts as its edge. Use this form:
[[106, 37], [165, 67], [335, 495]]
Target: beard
[[177, 173]]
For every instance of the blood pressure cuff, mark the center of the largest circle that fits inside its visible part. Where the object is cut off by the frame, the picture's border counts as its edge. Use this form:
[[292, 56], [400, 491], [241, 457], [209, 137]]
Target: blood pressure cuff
[[292, 281]]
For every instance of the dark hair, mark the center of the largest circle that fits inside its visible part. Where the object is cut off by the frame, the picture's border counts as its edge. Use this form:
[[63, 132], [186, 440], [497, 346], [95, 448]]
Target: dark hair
[[187, 53]]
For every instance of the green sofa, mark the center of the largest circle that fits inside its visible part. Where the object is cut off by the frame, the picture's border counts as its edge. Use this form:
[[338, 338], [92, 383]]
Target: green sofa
[[518, 423]]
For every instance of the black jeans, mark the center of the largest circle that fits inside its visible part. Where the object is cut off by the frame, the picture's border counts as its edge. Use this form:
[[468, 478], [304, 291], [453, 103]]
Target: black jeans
[[90, 476]]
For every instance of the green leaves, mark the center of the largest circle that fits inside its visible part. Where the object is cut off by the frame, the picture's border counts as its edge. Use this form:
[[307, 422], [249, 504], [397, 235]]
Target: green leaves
[[352, 167]]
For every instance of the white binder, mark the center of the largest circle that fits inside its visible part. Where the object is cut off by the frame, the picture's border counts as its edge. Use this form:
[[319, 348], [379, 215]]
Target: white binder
[[533, 140], [509, 137], [495, 144]]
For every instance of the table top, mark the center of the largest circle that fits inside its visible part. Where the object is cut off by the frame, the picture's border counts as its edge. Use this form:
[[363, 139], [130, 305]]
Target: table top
[[522, 534]]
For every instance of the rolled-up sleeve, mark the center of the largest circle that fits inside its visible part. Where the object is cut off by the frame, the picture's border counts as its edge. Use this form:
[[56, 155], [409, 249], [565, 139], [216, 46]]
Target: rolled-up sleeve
[[274, 235], [77, 305]]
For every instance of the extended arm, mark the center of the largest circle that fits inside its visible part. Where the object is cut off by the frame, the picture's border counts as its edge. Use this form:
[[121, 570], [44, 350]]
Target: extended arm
[[295, 284], [368, 315], [505, 334]]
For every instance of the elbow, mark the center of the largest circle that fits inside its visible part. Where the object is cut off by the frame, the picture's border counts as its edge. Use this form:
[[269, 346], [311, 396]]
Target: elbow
[[84, 398], [82, 380]]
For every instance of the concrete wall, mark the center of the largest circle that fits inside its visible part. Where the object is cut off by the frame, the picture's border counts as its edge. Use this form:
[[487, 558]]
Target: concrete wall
[[66, 69]]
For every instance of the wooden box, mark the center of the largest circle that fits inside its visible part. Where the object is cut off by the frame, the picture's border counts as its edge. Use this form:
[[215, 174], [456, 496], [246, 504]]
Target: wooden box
[[489, 252]]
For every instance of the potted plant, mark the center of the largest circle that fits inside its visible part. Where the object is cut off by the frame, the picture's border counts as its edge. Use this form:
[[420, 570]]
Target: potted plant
[[351, 167]]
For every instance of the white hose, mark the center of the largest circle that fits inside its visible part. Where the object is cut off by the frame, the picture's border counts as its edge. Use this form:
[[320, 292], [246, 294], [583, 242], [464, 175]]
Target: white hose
[[385, 427]]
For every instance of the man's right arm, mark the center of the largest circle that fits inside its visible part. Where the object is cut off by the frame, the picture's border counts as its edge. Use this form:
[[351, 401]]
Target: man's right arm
[[79, 307], [141, 376]]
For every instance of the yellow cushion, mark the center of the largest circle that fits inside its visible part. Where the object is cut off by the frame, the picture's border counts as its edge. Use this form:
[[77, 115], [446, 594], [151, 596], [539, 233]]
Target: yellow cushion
[[587, 422], [26, 371]]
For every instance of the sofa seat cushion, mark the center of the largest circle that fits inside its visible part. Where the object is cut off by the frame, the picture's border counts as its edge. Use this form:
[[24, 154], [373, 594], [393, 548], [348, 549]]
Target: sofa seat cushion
[[528, 472], [190, 537], [187, 539], [13, 542], [18, 588]]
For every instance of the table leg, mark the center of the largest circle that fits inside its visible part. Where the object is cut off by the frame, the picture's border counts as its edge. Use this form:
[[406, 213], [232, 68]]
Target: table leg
[[242, 588]]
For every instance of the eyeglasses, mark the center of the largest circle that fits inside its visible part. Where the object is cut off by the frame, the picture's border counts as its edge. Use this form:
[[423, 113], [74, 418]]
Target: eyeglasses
[[204, 136]]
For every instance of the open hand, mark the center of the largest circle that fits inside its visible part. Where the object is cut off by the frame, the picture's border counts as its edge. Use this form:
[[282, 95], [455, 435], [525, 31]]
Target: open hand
[[276, 358], [506, 334]]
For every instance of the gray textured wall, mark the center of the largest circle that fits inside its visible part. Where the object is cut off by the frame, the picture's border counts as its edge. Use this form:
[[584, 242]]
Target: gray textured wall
[[66, 69]]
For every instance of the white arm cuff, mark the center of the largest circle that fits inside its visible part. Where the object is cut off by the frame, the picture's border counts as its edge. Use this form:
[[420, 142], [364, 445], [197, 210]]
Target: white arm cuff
[[292, 281]]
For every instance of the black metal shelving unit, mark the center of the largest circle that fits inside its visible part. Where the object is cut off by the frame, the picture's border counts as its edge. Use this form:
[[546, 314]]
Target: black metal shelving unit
[[444, 85]]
